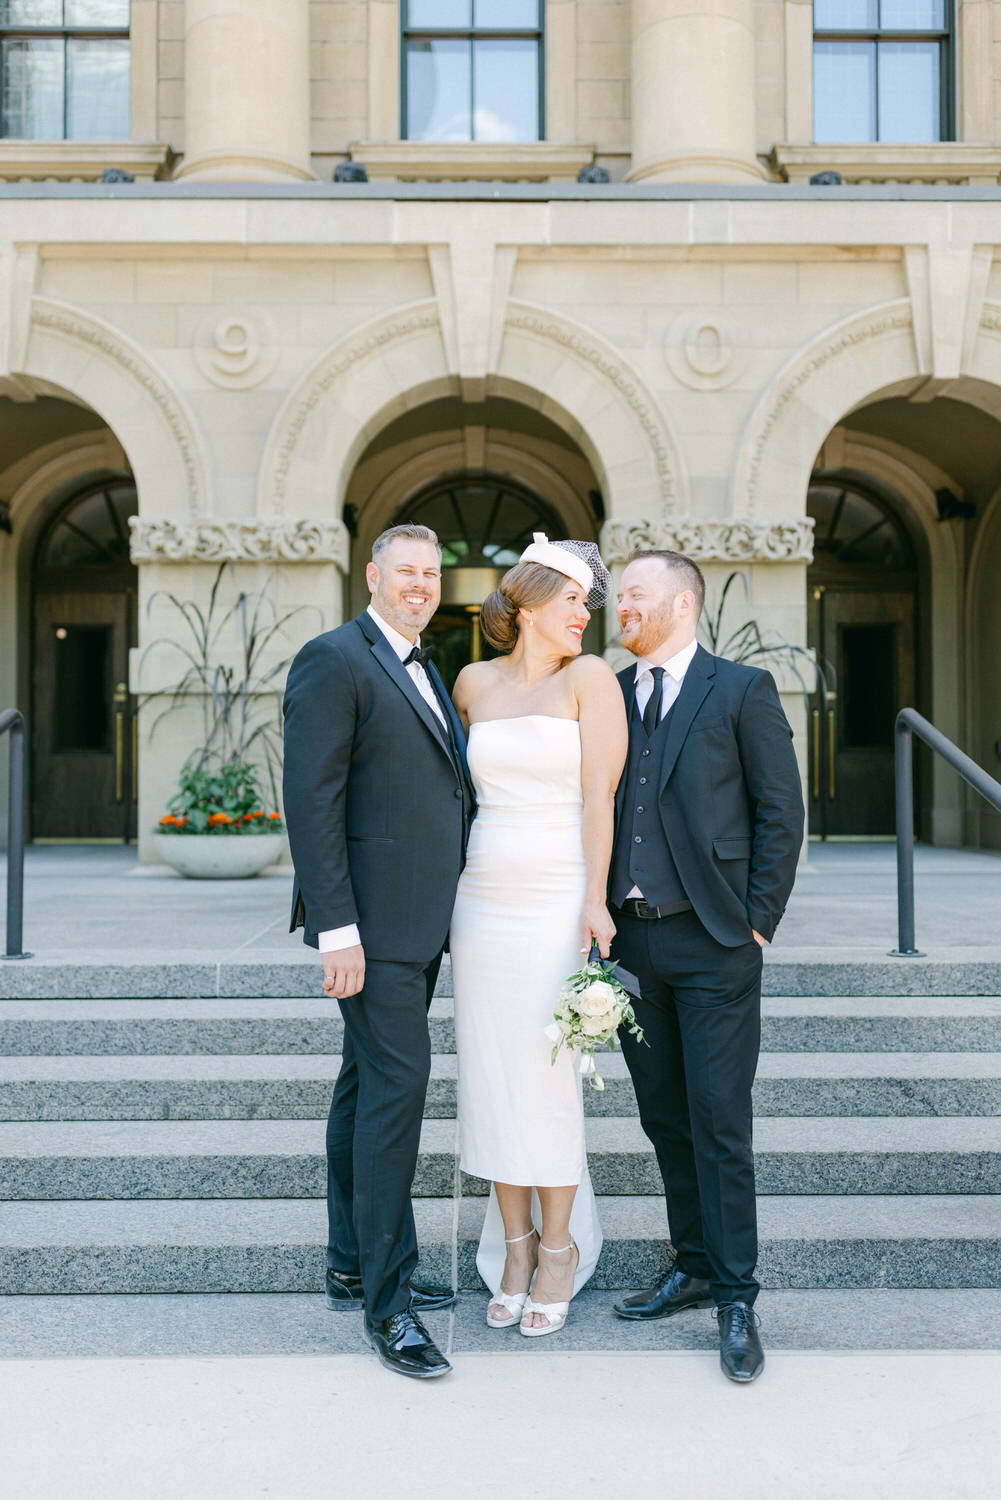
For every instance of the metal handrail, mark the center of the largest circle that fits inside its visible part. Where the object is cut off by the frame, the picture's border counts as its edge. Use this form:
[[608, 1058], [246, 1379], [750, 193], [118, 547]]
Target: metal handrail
[[910, 723], [13, 720]]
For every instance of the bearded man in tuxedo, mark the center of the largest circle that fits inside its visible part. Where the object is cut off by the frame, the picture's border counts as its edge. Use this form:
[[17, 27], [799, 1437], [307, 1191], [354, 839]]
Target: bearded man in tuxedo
[[378, 804], [709, 825]]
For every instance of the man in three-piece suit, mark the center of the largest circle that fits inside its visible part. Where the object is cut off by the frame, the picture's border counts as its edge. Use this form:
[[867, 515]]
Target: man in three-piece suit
[[378, 804], [709, 824]]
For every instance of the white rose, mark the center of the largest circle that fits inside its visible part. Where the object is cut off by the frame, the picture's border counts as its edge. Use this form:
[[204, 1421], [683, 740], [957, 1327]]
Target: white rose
[[565, 1026], [596, 999], [595, 1025]]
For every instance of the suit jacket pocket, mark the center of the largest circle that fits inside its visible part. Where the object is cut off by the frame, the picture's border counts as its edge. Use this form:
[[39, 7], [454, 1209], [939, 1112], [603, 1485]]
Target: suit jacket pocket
[[354, 838], [734, 848]]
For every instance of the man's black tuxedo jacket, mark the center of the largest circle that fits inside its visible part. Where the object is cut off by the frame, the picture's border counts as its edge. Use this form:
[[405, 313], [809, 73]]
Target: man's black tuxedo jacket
[[730, 803], [377, 806]]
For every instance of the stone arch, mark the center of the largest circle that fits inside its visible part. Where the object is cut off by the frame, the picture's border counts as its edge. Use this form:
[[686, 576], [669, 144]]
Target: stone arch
[[844, 364], [399, 361], [73, 353]]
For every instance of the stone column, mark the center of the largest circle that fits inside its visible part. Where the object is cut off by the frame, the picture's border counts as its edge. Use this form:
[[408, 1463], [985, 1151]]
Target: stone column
[[246, 91], [693, 91]]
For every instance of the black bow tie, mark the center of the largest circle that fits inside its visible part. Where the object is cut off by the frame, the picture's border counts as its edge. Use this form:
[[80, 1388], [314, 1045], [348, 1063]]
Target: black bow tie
[[420, 655]]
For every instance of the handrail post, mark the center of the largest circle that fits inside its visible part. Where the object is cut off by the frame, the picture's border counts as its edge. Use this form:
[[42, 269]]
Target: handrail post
[[15, 835], [903, 754]]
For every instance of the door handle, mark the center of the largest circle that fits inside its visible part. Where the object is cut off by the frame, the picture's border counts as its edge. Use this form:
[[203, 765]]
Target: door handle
[[135, 758], [832, 780], [121, 693], [815, 753]]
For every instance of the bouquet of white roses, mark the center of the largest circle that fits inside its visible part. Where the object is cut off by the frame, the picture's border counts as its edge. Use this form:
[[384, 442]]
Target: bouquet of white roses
[[593, 1004]]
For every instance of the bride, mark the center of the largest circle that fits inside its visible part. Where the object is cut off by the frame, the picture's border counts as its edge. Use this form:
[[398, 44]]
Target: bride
[[547, 743]]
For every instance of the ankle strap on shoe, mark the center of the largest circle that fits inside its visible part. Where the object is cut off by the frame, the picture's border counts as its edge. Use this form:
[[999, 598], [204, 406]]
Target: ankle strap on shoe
[[561, 1251], [518, 1238]]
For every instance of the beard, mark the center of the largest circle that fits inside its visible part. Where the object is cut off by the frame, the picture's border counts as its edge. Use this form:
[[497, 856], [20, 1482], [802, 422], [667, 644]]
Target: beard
[[650, 633]]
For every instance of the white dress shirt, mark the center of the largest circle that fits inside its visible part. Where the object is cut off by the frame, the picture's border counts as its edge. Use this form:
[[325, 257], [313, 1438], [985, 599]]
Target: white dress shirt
[[336, 938], [675, 668]]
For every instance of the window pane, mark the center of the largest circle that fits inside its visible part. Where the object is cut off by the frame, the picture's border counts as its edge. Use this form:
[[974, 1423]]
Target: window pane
[[439, 13], [97, 90], [869, 667], [845, 15], [438, 91], [82, 719], [844, 91], [31, 12], [87, 13], [33, 89], [912, 15], [506, 91], [512, 15], [909, 96]]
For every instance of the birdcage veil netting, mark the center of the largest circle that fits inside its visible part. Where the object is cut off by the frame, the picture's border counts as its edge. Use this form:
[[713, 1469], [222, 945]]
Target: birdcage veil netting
[[601, 579]]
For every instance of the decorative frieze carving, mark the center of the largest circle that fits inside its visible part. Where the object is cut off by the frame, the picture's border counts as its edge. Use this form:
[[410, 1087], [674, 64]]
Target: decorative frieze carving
[[712, 541], [285, 540]]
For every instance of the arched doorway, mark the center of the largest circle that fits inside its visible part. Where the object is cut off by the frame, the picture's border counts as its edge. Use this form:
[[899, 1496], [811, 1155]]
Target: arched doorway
[[84, 589], [483, 524], [862, 592]]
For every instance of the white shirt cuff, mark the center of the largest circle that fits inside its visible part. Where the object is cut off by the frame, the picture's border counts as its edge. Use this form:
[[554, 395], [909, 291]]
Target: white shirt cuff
[[339, 937]]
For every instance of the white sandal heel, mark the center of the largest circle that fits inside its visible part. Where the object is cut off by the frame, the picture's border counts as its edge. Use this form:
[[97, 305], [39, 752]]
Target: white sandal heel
[[513, 1301], [554, 1312]]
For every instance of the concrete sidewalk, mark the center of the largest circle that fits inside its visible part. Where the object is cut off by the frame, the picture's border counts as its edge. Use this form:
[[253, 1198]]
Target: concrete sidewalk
[[97, 898], [815, 1427]]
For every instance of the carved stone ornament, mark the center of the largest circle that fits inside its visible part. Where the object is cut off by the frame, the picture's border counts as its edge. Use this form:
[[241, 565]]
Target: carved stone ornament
[[235, 349], [286, 540], [711, 541], [701, 350]]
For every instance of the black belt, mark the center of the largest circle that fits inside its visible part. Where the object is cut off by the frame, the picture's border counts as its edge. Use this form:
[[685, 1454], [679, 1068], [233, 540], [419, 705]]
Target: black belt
[[634, 907]]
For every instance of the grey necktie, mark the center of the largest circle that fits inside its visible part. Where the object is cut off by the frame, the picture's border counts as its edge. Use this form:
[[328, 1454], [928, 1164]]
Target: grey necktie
[[651, 714]]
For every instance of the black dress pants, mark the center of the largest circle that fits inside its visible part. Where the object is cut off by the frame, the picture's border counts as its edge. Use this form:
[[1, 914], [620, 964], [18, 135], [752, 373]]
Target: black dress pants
[[374, 1129], [701, 1014]]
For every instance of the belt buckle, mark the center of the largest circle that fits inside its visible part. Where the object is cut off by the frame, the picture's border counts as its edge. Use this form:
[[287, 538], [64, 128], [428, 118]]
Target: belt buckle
[[645, 911]]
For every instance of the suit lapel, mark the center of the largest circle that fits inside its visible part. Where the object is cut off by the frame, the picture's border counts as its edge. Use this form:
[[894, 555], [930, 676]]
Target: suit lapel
[[458, 736], [627, 682], [397, 672], [694, 690]]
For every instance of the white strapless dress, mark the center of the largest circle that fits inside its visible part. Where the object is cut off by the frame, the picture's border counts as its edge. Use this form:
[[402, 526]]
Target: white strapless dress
[[514, 940]]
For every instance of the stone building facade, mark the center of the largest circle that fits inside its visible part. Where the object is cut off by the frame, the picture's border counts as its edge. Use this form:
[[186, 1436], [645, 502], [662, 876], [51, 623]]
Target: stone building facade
[[235, 357]]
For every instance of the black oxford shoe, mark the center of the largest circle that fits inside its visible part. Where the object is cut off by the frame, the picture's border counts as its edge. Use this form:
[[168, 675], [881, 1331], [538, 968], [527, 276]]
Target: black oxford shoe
[[741, 1356], [345, 1294], [672, 1295], [403, 1344]]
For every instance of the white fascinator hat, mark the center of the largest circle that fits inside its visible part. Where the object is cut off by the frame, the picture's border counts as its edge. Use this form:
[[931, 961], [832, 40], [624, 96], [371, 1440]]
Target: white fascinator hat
[[580, 561]]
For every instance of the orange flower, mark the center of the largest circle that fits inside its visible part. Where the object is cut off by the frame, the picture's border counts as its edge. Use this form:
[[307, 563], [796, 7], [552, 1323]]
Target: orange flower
[[181, 822], [166, 820], [272, 816], [215, 818], [257, 814]]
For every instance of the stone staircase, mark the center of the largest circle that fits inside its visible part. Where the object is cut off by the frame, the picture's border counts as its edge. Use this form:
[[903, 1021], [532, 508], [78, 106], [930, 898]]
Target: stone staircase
[[154, 1146]]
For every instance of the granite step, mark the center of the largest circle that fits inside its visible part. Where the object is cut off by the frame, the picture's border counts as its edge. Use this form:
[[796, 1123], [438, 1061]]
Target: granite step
[[283, 1158], [298, 1087], [258, 1325], [214, 1246], [312, 1026]]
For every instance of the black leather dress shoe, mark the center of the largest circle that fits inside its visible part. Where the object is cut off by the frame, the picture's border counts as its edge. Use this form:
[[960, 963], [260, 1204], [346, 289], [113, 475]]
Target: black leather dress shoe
[[403, 1344], [741, 1356], [672, 1295], [345, 1294]]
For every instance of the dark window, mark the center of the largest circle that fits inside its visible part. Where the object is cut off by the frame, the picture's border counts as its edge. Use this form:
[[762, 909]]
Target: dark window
[[82, 665], [869, 668], [854, 530], [93, 532], [882, 70], [64, 70], [481, 523], [472, 70]]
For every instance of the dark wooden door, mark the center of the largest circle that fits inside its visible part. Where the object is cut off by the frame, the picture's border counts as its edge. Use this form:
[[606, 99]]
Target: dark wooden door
[[83, 781], [867, 637]]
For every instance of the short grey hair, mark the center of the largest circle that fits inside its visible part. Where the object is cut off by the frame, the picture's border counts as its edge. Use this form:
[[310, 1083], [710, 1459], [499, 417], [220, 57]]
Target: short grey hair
[[409, 532], [686, 573]]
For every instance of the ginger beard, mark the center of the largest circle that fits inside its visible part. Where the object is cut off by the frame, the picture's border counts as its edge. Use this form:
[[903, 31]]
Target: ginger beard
[[643, 633]]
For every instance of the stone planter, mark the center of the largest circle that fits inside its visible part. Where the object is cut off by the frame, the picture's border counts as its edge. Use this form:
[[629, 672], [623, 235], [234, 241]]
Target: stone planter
[[211, 856]]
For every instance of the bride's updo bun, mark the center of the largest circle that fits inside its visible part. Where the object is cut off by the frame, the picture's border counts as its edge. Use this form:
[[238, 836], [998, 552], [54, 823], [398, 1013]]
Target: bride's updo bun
[[525, 586]]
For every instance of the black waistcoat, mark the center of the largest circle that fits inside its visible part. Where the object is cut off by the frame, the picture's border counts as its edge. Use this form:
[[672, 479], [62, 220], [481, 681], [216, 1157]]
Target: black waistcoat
[[642, 855]]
